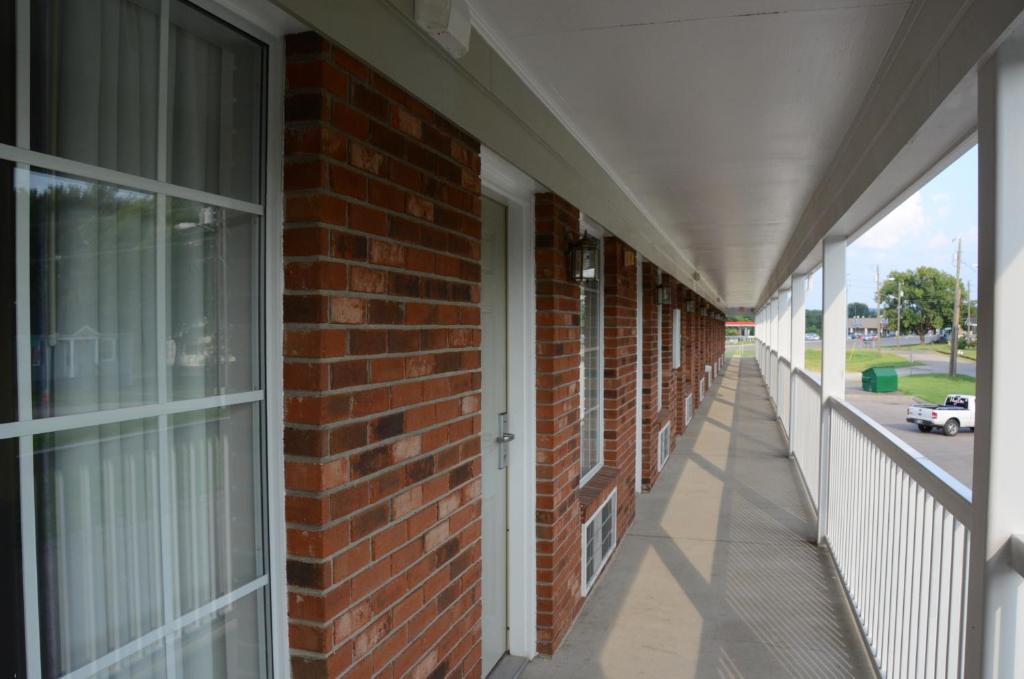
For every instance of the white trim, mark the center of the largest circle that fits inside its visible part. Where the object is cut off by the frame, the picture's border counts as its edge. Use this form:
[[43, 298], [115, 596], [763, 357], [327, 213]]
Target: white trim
[[638, 462], [98, 417], [586, 586], [102, 174], [517, 192], [273, 351]]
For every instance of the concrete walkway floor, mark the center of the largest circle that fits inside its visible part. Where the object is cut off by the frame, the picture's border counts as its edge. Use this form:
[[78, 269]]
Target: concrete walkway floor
[[719, 575]]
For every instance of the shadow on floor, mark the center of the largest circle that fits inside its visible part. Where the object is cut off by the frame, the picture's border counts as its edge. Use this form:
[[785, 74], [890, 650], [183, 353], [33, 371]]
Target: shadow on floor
[[719, 575]]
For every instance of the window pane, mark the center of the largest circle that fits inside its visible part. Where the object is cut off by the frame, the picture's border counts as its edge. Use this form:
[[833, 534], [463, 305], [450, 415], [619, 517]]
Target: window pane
[[216, 120], [227, 645], [213, 265], [95, 80], [148, 663], [8, 308], [98, 526], [218, 508], [93, 296], [8, 65]]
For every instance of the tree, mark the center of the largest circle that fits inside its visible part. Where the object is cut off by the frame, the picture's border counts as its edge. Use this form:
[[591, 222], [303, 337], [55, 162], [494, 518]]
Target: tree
[[855, 309], [927, 299], [812, 321]]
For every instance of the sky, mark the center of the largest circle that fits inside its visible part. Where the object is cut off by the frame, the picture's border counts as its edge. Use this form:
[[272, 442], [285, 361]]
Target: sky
[[920, 232]]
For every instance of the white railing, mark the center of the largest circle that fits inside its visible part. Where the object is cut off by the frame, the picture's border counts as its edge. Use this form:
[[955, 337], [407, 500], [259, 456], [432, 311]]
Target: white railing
[[805, 437], [773, 375], [688, 408], [782, 388], [898, 530]]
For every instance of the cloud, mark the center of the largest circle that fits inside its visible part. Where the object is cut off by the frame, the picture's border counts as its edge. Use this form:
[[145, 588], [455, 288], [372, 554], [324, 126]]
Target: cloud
[[942, 203], [903, 227]]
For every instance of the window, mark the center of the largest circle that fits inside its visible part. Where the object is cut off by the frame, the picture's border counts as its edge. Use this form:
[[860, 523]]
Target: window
[[591, 372], [688, 408], [139, 408], [677, 349], [599, 536], [664, 445]]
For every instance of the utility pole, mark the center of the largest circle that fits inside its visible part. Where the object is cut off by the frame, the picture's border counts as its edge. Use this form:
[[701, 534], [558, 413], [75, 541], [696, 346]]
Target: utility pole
[[878, 310], [954, 335], [899, 309]]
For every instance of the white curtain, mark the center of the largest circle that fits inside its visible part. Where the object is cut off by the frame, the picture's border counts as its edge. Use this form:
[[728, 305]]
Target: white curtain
[[102, 559]]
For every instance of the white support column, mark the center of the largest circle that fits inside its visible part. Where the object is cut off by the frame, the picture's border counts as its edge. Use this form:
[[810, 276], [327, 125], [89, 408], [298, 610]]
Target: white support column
[[775, 322], [798, 319], [784, 324], [797, 293], [995, 618], [833, 358]]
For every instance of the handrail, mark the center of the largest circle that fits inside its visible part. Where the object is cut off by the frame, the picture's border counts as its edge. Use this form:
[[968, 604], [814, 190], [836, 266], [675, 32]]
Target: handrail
[[810, 379], [948, 491], [785, 360]]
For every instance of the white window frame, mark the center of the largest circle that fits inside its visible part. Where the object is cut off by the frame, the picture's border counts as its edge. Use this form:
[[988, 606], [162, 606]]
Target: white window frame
[[638, 462], [688, 408], [677, 353], [267, 24], [600, 563], [591, 228]]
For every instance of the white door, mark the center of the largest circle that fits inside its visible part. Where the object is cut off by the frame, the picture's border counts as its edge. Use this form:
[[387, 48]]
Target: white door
[[494, 403]]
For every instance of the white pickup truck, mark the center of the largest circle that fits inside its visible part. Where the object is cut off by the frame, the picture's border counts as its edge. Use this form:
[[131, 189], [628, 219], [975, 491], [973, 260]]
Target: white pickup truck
[[955, 414]]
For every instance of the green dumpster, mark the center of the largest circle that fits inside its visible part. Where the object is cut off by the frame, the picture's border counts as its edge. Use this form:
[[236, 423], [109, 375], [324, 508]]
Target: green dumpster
[[879, 379]]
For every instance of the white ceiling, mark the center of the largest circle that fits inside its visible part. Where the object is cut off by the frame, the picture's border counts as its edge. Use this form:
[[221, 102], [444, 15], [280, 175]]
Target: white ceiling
[[718, 116]]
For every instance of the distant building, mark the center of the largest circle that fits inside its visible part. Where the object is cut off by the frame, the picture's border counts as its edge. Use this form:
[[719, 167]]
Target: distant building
[[865, 325]]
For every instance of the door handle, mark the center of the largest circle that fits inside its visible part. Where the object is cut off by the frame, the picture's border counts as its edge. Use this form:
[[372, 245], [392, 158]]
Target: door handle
[[503, 438]]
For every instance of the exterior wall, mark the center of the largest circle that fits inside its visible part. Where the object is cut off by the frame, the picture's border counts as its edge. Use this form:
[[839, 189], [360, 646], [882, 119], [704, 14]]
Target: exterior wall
[[620, 376], [381, 370], [651, 417], [558, 423]]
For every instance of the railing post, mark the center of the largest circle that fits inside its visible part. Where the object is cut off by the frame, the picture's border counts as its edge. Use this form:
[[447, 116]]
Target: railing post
[[995, 614], [833, 360], [797, 295]]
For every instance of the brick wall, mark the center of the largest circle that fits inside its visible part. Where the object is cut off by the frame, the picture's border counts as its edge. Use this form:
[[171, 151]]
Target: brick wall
[[620, 374], [558, 423], [652, 418], [381, 372]]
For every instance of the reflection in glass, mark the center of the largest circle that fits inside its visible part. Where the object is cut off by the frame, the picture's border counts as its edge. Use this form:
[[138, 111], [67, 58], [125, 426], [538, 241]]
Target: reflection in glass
[[217, 492], [216, 122], [227, 645], [94, 82], [98, 537], [591, 390], [93, 296], [212, 300]]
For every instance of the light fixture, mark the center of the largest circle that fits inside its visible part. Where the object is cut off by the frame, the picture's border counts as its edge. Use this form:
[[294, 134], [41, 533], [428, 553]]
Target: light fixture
[[690, 306], [664, 294], [583, 256]]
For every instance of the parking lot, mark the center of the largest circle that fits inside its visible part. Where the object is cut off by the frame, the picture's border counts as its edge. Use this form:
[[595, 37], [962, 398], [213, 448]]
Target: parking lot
[[954, 454]]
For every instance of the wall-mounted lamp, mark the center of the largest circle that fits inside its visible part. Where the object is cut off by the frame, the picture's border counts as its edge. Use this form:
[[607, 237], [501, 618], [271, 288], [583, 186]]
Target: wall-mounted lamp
[[583, 256], [690, 306], [664, 294]]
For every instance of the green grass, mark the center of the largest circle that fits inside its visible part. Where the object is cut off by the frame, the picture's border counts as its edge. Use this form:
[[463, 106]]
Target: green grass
[[859, 359], [933, 388]]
